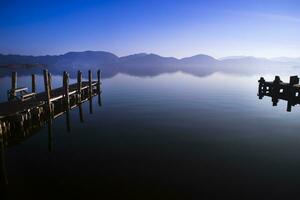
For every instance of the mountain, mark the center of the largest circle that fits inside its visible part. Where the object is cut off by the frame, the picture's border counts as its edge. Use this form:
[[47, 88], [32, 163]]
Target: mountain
[[287, 59], [142, 64]]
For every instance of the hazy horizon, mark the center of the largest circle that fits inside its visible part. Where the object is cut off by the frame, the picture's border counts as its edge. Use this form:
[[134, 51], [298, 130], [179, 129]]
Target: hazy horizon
[[148, 53]]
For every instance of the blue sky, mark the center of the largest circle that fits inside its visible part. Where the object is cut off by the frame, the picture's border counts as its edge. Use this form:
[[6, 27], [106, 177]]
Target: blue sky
[[263, 28]]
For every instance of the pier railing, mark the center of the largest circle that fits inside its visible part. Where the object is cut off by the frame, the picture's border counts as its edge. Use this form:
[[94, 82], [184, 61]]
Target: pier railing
[[22, 117]]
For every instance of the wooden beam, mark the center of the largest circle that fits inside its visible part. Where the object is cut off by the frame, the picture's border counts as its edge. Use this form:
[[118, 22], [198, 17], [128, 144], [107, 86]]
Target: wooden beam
[[98, 80], [79, 86], [48, 92], [67, 99], [13, 84], [90, 91], [33, 87]]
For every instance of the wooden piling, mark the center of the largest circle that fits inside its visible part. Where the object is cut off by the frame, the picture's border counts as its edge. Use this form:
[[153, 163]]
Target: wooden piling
[[98, 80], [79, 86], [47, 90], [90, 91], [67, 99], [261, 87], [66, 89], [13, 84], [50, 81], [90, 84], [33, 87]]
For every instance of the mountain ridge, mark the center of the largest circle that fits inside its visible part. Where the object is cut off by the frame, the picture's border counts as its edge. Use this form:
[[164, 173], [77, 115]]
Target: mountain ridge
[[141, 64]]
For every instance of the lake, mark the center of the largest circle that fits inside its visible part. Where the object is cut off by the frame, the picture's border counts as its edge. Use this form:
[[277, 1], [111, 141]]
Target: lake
[[171, 136]]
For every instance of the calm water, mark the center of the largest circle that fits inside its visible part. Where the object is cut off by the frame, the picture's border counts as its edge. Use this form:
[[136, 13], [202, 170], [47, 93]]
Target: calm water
[[173, 136]]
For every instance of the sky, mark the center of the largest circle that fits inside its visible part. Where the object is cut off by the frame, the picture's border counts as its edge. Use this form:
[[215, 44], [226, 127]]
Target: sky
[[178, 28]]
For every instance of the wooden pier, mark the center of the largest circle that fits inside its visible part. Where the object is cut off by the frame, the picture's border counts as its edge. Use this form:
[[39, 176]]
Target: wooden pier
[[27, 112], [277, 90]]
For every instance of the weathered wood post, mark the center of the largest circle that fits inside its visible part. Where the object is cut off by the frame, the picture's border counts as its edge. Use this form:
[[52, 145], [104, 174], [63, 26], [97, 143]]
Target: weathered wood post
[[67, 99], [13, 85], [90, 91], [79, 86], [66, 90], [90, 84], [291, 92], [99, 87], [33, 87], [98, 80], [79, 98], [261, 87], [50, 81], [48, 92], [276, 90]]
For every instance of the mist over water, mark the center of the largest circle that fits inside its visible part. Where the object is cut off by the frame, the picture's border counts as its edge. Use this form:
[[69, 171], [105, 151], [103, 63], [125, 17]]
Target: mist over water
[[173, 135]]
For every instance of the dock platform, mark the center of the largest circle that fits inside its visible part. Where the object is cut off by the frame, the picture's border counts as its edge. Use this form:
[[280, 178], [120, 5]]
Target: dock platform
[[24, 110], [278, 90]]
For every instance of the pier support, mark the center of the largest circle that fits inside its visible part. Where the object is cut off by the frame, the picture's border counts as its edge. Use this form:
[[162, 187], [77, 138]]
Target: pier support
[[67, 99], [33, 87], [48, 91], [13, 85], [90, 91]]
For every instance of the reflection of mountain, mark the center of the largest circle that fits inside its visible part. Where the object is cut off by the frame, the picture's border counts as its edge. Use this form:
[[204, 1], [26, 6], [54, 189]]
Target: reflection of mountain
[[139, 64]]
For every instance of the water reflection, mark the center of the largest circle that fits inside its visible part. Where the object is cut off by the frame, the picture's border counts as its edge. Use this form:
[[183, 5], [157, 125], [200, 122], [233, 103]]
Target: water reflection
[[33, 126]]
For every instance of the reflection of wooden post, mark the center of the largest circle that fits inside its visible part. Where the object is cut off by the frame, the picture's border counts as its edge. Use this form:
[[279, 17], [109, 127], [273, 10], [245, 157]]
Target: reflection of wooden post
[[50, 136], [33, 88], [90, 91], [67, 99], [13, 84], [47, 90], [3, 177], [80, 112]]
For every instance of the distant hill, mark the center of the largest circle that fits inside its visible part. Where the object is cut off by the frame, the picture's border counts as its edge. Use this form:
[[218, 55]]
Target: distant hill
[[142, 64]]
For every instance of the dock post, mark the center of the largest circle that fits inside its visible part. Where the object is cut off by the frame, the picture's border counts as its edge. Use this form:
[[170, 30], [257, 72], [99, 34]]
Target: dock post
[[291, 92], [79, 98], [90, 84], [261, 87], [99, 87], [50, 81], [33, 88], [90, 91], [67, 99], [47, 90], [79, 86], [66, 90], [276, 90], [13, 84], [98, 80]]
